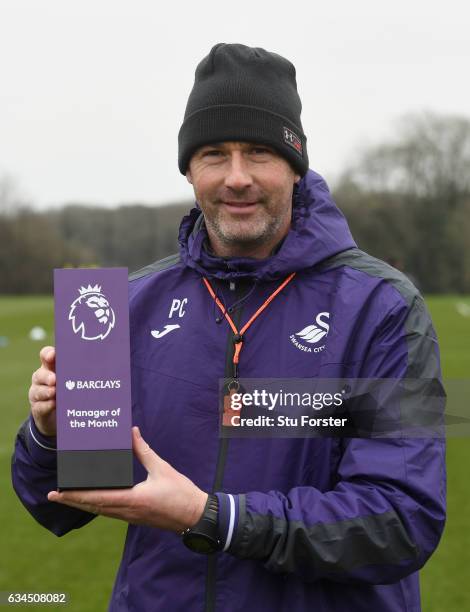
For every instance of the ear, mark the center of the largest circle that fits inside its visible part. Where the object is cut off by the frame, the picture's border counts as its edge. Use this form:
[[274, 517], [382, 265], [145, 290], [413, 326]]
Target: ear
[[189, 178], [297, 178]]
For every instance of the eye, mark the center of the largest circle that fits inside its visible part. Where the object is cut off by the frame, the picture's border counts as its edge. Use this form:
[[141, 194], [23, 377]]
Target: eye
[[212, 153], [261, 151]]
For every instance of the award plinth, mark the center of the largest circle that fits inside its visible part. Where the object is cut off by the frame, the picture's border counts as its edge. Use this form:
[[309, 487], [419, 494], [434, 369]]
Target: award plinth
[[93, 388]]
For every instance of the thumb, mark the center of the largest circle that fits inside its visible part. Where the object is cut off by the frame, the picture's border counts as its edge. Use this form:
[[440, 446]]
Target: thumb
[[143, 452], [47, 357]]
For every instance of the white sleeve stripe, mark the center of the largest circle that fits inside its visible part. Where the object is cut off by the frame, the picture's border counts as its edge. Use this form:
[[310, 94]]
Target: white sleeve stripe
[[37, 441], [231, 522]]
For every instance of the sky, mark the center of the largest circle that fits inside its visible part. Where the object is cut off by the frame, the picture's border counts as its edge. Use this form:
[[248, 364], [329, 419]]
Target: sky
[[93, 92]]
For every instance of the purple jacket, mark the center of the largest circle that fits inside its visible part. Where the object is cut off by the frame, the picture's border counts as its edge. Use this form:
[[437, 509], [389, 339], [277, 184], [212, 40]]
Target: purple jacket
[[325, 524]]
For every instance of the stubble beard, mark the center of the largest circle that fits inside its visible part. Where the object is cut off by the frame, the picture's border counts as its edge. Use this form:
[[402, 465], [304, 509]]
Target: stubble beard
[[245, 234]]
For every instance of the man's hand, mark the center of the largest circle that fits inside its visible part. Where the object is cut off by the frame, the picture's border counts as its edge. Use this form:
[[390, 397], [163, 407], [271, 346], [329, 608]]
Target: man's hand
[[42, 393], [167, 499]]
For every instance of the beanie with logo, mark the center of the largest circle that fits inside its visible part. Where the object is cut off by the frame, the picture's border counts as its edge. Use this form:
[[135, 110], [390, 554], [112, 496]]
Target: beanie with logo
[[245, 94]]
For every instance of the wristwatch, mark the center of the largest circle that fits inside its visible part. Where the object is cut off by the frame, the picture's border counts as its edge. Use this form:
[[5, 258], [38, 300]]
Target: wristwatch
[[203, 537]]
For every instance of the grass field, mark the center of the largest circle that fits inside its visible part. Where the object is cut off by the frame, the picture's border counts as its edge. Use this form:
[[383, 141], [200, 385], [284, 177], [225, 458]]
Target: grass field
[[84, 562]]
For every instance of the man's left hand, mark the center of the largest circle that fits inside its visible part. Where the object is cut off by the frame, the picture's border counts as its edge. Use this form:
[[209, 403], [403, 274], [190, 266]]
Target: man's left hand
[[167, 499]]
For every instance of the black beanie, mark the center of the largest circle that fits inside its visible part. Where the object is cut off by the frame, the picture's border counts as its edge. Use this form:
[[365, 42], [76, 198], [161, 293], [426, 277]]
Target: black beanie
[[244, 94]]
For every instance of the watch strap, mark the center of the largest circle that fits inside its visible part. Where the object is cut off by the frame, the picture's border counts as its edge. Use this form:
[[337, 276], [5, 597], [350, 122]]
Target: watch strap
[[206, 528]]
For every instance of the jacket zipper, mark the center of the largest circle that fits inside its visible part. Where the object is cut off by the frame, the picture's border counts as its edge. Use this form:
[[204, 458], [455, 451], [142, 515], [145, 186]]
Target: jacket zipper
[[238, 289]]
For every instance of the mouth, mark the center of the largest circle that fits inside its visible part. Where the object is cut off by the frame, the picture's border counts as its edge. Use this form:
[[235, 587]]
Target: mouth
[[235, 206]]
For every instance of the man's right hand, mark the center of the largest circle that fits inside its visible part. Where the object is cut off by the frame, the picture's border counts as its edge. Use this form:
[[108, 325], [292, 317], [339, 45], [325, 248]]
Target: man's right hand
[[42, 393]]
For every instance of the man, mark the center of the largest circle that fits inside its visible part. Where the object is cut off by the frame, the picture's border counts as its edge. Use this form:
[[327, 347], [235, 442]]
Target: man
[[326, 524]]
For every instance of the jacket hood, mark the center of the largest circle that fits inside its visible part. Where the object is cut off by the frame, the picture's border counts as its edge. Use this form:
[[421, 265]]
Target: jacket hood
[[318, 230]]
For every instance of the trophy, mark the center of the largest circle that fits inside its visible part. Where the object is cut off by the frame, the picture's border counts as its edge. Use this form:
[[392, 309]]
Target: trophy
[[93, 388]]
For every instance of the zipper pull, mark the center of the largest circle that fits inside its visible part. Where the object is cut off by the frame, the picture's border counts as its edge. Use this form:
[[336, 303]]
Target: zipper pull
[[238, 343], [229, 411]]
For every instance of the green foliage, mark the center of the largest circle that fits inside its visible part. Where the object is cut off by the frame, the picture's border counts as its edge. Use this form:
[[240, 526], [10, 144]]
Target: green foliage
[[84, 562]]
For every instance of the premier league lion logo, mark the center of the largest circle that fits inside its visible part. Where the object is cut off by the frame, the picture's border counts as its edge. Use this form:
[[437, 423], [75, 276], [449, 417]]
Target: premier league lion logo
[[91, 314]]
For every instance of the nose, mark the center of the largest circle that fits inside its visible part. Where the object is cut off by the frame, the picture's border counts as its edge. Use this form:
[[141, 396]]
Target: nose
[[238, 176]]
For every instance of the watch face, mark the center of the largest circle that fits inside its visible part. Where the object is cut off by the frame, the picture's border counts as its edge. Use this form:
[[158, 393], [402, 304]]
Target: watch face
[[200, 543]]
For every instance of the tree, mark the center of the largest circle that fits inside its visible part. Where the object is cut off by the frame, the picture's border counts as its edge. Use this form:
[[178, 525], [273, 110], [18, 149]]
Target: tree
[[416, 188], [10, 200]]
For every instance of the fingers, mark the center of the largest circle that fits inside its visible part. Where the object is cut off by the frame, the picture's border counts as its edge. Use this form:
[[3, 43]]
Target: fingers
[[42, 389], [57, 497], [42, 410], [99, 498], [114, 504], [47, 357], [40, 393], [45, 375]]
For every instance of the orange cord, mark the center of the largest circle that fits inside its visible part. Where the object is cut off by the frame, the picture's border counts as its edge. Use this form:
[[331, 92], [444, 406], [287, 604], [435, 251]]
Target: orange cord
[[239, 345]]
